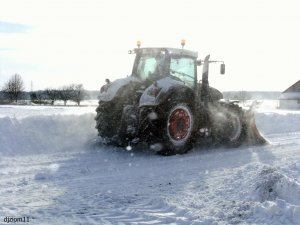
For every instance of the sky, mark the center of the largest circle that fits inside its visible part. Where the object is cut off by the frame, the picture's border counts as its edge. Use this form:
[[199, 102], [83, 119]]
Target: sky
[[52, 43]]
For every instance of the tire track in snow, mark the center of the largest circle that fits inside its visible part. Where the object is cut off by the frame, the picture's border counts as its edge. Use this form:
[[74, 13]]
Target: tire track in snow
[[93, 192], [120, 210]]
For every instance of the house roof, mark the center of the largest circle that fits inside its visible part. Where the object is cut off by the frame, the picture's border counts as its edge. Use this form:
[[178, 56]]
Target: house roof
[[294, 88], [290, 96], [292, 93]]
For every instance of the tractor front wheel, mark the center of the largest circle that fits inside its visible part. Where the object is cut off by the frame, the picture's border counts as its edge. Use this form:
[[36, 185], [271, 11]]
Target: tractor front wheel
[[228, 126]]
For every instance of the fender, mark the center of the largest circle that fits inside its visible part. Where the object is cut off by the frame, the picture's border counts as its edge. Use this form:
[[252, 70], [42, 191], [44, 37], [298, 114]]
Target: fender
[[161, 90], [114, 87]]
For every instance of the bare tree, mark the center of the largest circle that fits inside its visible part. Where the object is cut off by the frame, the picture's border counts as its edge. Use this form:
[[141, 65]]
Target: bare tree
[[14, 88], [78, 93], [66, 93], [53, 95]]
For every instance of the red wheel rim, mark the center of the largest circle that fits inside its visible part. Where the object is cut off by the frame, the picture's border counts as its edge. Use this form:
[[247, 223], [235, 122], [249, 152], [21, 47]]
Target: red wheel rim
[[179, 124]]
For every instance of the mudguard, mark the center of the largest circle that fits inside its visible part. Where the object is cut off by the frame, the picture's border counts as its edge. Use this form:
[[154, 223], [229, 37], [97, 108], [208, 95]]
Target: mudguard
[[161, 90], [114, 87]]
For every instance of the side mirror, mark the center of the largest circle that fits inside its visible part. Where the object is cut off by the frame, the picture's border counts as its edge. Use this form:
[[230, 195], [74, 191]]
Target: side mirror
[[222, 69]]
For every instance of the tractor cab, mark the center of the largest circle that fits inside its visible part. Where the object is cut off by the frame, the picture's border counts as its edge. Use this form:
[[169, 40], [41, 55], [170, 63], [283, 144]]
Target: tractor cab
[[152, 64]]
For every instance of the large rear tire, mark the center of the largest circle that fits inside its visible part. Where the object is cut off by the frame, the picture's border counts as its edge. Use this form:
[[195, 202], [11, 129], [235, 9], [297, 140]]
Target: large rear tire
[[128, 126], [178, 130], [108, 121]]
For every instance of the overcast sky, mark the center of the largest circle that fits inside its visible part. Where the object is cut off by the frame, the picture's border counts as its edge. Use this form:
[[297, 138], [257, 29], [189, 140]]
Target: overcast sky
[[56, 42]]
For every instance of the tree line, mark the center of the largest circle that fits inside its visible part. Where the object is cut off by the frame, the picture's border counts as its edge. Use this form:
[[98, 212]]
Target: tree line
[[13, 91]]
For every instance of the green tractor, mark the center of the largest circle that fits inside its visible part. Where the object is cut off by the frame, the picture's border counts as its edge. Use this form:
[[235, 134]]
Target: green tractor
[[163, 104]]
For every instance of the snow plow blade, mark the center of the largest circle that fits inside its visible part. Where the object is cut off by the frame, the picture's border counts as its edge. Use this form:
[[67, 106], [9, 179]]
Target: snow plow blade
[[253, 136]]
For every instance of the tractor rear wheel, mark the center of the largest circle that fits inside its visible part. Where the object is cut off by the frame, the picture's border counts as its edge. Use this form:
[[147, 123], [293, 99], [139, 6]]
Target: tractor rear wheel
[[108, 121], [128, 126], [178, 129]]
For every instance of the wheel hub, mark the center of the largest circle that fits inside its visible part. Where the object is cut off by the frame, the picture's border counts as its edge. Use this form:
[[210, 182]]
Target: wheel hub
[[179, 124]]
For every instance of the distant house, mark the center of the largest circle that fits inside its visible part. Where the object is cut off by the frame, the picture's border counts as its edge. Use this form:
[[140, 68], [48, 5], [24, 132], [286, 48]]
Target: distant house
[[290, 98]]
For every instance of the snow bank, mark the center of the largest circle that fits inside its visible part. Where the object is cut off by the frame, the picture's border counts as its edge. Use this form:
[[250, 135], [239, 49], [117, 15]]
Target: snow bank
[[271, 120], [37, 134], [15, 111], [272, 184], [276, 123], [272, 195], [280, 197]]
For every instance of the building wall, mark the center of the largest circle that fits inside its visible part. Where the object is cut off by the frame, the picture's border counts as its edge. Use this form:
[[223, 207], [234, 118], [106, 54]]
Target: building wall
[[289, 104]]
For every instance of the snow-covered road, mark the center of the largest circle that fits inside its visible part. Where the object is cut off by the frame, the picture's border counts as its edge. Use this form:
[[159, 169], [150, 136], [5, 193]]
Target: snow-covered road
[[53, 171]]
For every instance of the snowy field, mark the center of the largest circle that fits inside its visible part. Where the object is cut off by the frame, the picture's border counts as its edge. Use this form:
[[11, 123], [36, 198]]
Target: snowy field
[[53, 171]]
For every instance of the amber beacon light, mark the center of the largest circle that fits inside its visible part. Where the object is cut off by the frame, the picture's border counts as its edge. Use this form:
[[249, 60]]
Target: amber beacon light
[[182, 43]]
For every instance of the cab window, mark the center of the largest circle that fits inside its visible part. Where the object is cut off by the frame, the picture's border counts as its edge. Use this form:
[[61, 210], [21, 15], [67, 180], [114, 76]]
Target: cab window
[[184, 69], [146, 67]]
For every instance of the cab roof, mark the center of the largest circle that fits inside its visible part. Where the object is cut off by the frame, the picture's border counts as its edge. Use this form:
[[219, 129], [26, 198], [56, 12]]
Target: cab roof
[[175, 51]]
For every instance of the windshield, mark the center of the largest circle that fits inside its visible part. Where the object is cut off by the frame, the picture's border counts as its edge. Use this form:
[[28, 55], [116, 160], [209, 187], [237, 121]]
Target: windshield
[[149, 67], [184, 69], [154, 65]]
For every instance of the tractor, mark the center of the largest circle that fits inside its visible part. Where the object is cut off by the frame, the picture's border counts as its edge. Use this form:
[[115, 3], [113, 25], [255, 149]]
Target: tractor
[[163, 104]]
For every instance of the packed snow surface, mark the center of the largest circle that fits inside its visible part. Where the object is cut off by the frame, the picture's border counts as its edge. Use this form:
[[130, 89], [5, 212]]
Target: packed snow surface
[[54, 171]]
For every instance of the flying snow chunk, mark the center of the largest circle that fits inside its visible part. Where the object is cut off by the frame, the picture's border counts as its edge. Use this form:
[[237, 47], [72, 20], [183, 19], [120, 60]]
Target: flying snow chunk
[[156, 147], [128, 148]]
